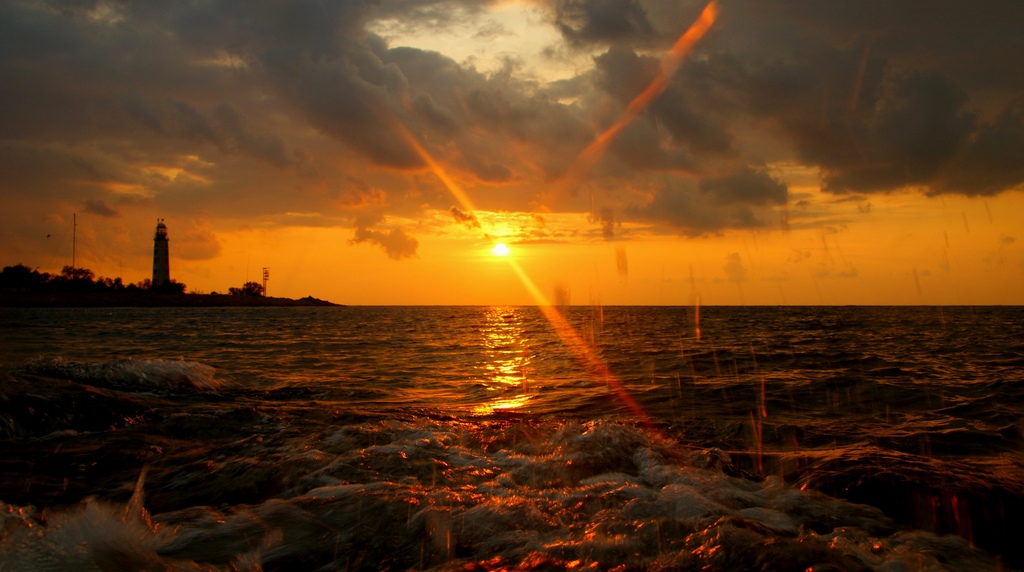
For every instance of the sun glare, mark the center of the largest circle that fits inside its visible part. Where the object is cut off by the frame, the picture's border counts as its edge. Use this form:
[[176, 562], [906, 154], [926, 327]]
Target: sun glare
[[500, 249]]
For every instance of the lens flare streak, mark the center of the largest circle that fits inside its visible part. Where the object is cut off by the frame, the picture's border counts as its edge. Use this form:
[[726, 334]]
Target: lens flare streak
[[669, 65], [570, 337], [576, 344], [435, 167]]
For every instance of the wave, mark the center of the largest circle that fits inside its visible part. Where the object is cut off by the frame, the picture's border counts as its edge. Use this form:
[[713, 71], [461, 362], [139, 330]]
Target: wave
[[459, 496], [131, 373]]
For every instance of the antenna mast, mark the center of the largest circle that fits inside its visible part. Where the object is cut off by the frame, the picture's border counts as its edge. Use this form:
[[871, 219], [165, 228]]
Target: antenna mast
[[266, 276], [74, 236]]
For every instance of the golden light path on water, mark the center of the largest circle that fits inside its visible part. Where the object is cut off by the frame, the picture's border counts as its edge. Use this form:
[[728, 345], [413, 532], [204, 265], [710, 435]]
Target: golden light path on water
[[507, 361], [586, 159], [576, 344]]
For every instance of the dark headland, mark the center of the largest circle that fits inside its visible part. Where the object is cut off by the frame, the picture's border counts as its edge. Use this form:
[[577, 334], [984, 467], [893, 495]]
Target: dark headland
[[148, 300], [23, 287]]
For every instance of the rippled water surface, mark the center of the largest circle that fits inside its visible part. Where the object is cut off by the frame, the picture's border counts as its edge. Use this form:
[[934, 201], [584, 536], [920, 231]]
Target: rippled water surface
[[479, 438]]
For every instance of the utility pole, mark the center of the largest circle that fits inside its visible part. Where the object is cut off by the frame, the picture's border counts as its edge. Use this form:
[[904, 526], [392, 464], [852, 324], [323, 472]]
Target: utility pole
[[266, 276]]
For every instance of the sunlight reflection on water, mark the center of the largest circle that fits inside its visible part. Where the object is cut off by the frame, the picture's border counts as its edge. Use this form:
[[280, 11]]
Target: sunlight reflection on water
[[508, 356]]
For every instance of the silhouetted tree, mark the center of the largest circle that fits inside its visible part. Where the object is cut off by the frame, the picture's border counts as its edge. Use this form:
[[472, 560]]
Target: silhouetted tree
[[248, 289], [171, 287], [74, 279], [109, 284], [72, 273], [21, 278]]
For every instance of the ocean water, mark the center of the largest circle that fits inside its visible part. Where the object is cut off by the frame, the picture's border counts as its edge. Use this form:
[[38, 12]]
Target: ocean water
[[490, 438]]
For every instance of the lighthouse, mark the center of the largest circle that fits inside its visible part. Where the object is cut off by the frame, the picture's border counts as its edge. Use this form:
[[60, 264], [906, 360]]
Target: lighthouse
[[161, 257]]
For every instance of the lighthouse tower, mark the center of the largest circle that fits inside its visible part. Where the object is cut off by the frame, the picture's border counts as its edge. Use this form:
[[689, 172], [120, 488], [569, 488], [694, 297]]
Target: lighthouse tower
[[161, 258]]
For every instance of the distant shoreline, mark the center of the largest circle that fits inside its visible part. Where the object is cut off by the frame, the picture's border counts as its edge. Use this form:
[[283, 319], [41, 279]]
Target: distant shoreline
[[150, 300]]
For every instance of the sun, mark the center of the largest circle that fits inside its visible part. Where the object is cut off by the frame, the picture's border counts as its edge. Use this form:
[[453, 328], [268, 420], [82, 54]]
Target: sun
[[500, 249]]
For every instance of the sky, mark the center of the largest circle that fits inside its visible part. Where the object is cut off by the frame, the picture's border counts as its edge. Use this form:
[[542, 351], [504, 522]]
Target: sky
[[662, 152]]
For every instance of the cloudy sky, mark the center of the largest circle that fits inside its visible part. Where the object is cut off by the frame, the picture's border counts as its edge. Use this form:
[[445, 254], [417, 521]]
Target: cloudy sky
[[375, 151]]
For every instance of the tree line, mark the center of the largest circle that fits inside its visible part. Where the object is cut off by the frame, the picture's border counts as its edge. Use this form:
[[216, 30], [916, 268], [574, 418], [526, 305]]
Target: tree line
[[22, 279]]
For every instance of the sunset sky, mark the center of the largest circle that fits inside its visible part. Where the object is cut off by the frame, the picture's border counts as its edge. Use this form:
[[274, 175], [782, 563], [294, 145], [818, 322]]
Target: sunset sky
[[376, 151]]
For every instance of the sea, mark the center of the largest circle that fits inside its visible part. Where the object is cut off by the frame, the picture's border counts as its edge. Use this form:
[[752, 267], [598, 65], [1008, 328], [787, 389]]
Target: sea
[[512, 438]]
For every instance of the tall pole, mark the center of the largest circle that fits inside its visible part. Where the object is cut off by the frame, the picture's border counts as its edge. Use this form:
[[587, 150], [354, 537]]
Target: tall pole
[[74, 236]]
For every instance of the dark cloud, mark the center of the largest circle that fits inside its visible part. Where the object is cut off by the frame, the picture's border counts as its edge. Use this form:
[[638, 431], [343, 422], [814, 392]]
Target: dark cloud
[[495, 128], [676, 126], [916, 129], [395, 242], [45, 173], [139, 109], [413, 16], [623, 74], [972, 43], [468, 219], [234, 135], [639, 148], [353, 99], [190, 123], [263, 31], [436, 116], [881, 96], [525, 119], [809, 100], [227, 129], [993, 160], [100, 208], [487, 171], [742, 200], [365, 203], [571, 88], [590, 21], [910, 130], [746, 186], [693, 123]]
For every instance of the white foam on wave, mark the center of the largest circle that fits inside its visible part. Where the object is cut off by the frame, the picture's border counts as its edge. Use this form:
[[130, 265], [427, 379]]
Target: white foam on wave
[[101, 536], [95, 535], [142, 373], [92, 537], [447, 495]]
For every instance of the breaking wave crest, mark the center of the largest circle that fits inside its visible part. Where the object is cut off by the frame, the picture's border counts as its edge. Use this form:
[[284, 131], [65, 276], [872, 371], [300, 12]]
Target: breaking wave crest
[[131, 373]]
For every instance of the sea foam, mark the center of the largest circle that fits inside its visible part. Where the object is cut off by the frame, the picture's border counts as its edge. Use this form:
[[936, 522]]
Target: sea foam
[[438, 495]]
